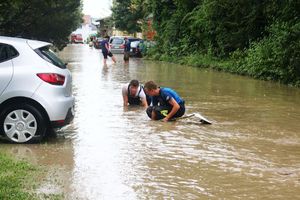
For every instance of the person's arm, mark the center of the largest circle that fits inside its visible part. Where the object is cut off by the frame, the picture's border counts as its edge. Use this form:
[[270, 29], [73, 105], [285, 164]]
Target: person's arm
[[143, 98], [175, 108], [125, 100], [125, 97], [144, 102], [107, 46]]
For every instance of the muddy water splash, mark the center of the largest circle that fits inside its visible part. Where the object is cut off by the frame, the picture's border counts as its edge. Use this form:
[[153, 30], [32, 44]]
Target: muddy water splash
[[252, 150]]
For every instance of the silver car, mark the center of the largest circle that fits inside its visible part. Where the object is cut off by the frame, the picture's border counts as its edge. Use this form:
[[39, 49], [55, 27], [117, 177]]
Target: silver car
[[35, 90], [117, 44]]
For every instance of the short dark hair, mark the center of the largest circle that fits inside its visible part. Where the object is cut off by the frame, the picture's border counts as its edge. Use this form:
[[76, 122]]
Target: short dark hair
[[150, 85], [134, 83]]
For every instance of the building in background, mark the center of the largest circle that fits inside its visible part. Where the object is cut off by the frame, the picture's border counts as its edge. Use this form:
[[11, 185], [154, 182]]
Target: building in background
[[88, 27], [105, 26]]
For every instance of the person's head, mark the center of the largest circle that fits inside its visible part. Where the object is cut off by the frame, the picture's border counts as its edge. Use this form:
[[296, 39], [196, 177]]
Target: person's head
[[106, 37], [151, 88], [133, 86]]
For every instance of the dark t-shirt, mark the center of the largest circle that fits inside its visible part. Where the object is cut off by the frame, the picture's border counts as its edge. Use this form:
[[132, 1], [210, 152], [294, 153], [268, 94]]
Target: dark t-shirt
[[127, 46], [103, 43]]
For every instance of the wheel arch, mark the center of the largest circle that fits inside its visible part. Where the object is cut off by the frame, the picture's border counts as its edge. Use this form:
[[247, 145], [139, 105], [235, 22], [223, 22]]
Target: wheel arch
[[17, 100]]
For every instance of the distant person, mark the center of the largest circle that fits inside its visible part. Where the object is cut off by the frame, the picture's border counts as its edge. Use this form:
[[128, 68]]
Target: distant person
[[106, 50], [126, 49], [166, 103], [133, 94], [91, 42]]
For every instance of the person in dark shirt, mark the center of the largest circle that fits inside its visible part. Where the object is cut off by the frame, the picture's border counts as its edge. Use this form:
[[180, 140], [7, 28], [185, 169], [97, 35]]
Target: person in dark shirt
[[166, 104], [126, 49], [106, 51]]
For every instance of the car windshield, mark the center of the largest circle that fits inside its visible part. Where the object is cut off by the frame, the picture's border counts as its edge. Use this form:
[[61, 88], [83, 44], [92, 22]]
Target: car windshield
[[117, 41], [47, 54]]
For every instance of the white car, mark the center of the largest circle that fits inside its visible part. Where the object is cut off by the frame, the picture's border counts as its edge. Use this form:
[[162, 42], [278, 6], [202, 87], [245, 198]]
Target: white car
[[35, 90]]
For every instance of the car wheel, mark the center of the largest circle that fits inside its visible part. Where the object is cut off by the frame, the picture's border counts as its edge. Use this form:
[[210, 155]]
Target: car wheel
[[22, 123]]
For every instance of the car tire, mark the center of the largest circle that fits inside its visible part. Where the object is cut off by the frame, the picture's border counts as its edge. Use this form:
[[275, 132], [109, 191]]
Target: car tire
[[22, 123]]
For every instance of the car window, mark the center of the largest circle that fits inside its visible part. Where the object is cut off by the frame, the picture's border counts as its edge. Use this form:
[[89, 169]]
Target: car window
[[12, 52], [47, 54], [7, 52], [3, 53], [117, 41], [133, 39]]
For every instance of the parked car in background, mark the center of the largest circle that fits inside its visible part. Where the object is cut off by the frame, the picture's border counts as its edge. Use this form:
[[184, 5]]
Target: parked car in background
[[135, 49], [35, 90], [117, 44], [76, 38]]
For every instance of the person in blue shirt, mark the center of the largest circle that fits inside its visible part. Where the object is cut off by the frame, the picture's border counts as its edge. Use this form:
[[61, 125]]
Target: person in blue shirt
[[106, 50], [166, 104]]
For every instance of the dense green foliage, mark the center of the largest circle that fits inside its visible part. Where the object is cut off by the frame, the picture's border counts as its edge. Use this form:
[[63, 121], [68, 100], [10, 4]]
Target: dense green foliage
[[256, 38], [50, 20], [127, 15]]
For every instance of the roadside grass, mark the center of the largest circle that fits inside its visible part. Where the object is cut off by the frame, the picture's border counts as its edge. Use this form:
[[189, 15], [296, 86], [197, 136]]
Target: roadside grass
[[16, 179], [19, 180], [195, 60], [237, 63]]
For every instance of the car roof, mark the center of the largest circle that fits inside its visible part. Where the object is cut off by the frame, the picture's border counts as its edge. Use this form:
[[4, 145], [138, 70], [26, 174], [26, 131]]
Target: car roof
[[130, 38], [34, 44]]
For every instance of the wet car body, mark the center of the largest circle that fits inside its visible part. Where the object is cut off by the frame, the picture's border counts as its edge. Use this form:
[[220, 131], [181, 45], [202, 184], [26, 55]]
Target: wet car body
[[35, 90]]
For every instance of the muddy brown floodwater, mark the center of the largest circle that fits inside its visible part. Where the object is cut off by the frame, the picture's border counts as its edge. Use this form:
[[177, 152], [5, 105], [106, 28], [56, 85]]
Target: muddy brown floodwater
[[252, 150]]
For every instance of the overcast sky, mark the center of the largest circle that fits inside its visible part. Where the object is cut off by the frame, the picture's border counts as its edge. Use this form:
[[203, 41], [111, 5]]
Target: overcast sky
[[97, 8]]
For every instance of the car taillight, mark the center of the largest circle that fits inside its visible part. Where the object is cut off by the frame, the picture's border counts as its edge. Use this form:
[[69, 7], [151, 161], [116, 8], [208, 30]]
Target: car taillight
[[54, 79]]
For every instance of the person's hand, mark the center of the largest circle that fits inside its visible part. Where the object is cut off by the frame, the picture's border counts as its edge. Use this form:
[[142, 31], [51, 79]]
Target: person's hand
[[165, 119]]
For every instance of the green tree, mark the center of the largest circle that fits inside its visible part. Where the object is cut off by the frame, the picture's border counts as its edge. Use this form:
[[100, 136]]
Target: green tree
[[50, 20], [128, 15], [256, 38]]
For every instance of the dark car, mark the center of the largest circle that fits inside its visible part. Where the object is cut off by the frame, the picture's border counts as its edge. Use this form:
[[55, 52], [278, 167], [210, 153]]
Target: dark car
[[135, 47]]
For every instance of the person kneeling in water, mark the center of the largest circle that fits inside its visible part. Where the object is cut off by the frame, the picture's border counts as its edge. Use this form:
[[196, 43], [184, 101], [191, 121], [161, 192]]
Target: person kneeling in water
[[166, 103], [133, 94]]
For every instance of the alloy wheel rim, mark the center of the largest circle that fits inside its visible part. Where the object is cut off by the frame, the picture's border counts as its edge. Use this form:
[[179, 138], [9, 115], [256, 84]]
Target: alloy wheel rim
[[20, 126]]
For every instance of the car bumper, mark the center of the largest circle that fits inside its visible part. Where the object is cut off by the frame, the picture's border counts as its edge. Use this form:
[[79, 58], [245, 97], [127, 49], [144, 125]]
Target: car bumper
[[117, 51], [69, 118], [60, 108]]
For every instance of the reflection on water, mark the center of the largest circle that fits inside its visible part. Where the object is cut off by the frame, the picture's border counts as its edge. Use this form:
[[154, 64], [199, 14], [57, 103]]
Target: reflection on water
[[251, 151]]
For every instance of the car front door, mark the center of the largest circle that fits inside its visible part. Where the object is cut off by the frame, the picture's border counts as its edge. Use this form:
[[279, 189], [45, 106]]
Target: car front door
[[6, 67]]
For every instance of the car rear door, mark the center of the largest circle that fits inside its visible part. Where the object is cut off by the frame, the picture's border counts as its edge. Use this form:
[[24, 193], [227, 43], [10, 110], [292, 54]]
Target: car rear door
[[7, 52]]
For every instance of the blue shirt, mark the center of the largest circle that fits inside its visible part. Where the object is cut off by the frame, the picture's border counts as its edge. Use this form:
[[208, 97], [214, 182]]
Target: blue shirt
[[165, 95]]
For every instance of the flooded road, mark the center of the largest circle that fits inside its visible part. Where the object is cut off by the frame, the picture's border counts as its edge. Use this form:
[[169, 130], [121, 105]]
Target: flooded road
[[252, 150]]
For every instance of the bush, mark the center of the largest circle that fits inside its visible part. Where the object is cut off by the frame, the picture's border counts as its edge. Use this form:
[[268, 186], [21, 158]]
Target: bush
[[277, 56]]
